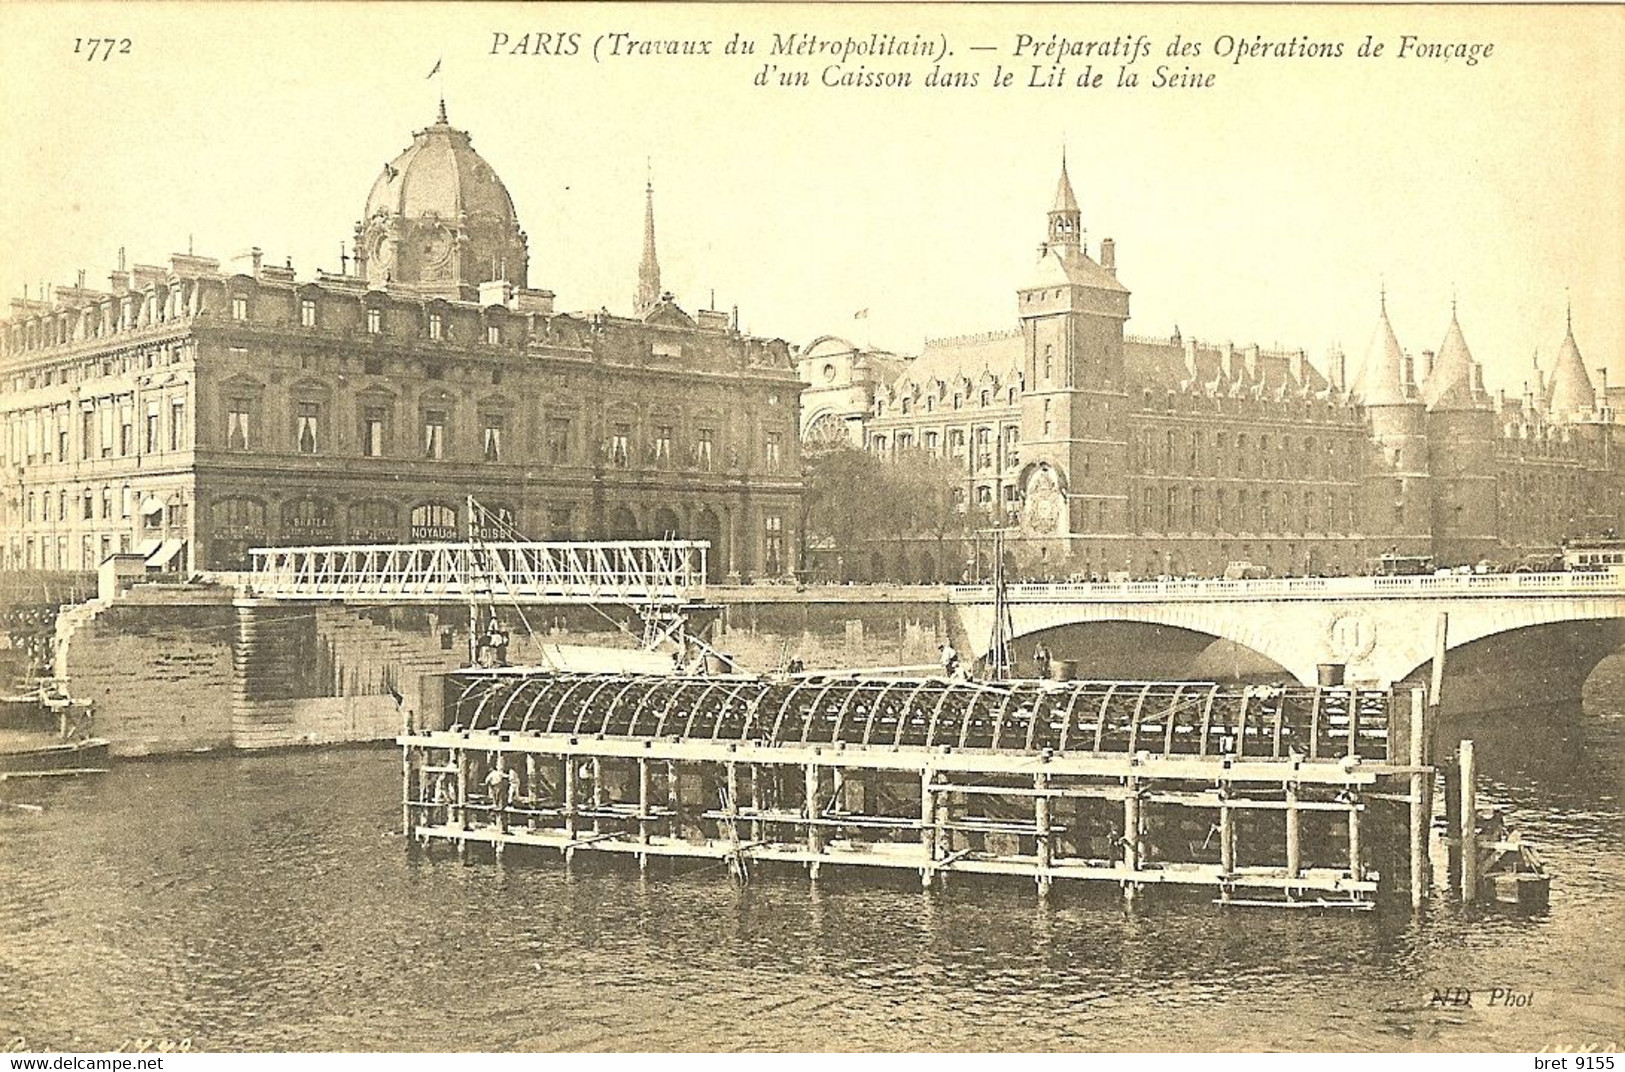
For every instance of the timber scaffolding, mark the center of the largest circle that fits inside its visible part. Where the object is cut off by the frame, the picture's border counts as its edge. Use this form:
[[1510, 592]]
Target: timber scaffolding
[[1283, 795]]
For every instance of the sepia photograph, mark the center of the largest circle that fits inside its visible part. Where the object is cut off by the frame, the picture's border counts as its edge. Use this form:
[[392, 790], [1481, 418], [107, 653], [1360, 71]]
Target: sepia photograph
[[805, 527]]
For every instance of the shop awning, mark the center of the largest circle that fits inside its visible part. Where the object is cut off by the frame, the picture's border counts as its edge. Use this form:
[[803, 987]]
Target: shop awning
[[147, 547], [150, 506], [163, 558]]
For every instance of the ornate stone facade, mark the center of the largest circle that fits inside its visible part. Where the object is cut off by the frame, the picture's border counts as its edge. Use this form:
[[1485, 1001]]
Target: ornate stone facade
[[194, 411], [1104, 453]]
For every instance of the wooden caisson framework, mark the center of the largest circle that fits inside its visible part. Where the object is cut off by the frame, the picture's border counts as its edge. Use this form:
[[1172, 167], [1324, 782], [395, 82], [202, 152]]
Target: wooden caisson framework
[[1293, 795]]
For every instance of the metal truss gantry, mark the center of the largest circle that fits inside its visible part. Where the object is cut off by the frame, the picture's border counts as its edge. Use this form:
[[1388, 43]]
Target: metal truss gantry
[[625, 571]]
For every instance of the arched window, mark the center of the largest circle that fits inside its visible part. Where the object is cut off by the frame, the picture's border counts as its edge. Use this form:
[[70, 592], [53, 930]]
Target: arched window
[[374, 521], [433, 521], [308, 520]]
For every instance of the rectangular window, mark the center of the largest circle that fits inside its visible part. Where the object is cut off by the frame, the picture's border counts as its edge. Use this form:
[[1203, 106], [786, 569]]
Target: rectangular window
[[237, 433], [493, 334], [88, 505], [239, 307], [107, 503], [375, 322], [932, 442], [491, 439], [372, 433], [62, 442], [663, 443], [87, 433], [127, 501], [558, 440], [307, 430], [773, 545], [307, 312], [436, 326], [108, 434], [620, 446], [177, 423], [434, 433], [152, 428], [775, 444], [705, 448], [126, 431]]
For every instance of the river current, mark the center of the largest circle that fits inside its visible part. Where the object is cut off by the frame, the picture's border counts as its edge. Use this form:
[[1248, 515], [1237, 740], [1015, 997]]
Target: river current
[[266, 902]]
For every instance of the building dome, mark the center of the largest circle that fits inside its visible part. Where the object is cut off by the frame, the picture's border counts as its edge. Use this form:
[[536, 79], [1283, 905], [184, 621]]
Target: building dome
[[439, 220]]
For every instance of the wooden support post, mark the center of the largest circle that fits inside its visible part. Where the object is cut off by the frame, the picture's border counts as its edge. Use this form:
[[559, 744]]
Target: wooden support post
[[409, 791], [571, 792], [1227, 836], [1294, 846], [462, 789], [1044, 850], [674, 798], [1468, 814], [643, 812], [813, 809], [1421, 800], [1131, 837], [1355, 868], [815, 838], [928, 823], [756, 801], [462, 804], [499, 795], [1441, 643], [533, 784], [598, 794]]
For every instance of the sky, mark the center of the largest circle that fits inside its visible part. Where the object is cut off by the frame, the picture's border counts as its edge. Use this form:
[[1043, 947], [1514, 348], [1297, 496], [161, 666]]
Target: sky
[[1271, 207]]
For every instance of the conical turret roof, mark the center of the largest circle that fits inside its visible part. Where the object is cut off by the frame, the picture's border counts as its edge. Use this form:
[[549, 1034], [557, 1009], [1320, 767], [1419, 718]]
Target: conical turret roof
[[1571, 390], [1450, 384], [1382, 377]]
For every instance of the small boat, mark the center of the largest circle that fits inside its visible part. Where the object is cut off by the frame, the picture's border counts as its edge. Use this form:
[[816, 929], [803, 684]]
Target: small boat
[[1513, 875], [48, 734], [87, 755]]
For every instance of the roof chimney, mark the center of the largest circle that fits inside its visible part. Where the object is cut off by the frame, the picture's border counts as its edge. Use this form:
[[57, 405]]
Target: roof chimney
[[1108, 255]]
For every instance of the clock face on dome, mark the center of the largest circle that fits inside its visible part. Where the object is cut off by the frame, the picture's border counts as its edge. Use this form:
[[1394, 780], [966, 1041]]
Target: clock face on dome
[[436, 246], [382, 252]]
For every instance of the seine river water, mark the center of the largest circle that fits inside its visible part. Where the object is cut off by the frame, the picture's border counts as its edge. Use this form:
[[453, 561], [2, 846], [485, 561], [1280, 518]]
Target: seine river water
[[267, 903]]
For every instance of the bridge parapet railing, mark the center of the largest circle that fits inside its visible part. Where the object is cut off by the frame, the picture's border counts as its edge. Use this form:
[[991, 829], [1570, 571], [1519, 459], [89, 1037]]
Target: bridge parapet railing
[[1451, 585], [559, 572]]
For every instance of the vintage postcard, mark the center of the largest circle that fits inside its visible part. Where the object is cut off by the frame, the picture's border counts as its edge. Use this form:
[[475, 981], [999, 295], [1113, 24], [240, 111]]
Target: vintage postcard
[[812, 527]]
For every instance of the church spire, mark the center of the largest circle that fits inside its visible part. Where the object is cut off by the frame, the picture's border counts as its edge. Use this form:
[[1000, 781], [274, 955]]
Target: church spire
[[1065, 220], [649, 267]]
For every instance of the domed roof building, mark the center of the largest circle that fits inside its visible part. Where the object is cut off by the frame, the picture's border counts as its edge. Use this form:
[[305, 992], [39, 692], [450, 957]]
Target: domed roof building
[[439, 221]]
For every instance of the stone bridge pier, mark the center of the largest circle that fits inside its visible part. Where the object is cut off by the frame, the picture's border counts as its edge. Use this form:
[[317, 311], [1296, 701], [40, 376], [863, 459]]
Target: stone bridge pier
[[1513, 640]]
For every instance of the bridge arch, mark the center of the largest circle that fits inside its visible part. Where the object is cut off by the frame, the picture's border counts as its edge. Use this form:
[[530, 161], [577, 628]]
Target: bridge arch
[[1381, 628]]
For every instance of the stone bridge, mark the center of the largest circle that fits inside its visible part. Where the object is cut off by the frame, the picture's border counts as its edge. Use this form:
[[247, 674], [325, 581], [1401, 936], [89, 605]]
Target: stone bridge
[[1513, 639]]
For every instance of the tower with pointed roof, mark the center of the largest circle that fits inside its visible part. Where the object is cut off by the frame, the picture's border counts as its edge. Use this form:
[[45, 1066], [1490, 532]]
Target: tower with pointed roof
[[648, 295], [439, 222], [1074, 401], [1461, 430], [1396, 492], [1570, 396]]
